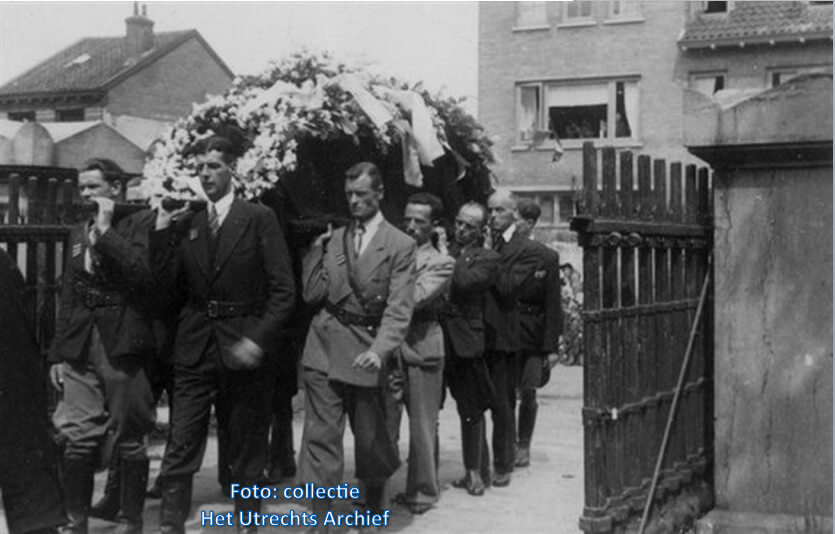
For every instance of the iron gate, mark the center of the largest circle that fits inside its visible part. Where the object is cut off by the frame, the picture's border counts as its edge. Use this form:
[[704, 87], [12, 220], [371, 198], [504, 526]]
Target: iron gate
[[645, 244]]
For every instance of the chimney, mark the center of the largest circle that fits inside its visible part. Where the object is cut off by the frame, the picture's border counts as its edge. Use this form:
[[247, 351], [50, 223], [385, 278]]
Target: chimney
[[140, 31]]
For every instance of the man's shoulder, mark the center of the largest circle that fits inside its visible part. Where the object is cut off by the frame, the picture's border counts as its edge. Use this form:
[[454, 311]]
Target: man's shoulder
[[397, 237], [438, 259], [143, 218]]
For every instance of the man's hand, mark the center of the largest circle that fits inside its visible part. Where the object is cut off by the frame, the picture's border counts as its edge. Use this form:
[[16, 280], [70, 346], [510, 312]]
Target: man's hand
[[553, 359], [56, 375], [164, 217], [369, 361], [245, 354], [104, 215], [324, 238]]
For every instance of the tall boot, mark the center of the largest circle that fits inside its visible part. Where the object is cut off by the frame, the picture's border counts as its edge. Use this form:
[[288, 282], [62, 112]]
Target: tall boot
[[244, 509], [108, 506], [77, 481], [472, 449], [527, 421], [175, 505], [132, 495]]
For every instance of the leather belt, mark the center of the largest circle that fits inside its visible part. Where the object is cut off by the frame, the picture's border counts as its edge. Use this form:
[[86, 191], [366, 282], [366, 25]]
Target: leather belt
[[218, 309], [465, 312], [97, 298], [531, 309], [349, 318]]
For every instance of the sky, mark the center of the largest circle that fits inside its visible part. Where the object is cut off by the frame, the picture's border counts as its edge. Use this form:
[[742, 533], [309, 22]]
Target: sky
[[433, 42]]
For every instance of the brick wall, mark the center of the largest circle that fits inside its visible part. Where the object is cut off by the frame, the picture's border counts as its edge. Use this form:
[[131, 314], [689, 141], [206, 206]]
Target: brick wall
[[646, 48], [167, 89]]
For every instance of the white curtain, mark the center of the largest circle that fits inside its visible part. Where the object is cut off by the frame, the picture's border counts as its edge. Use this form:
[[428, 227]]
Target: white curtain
[[528, 111], [630, 102], [578, 95]]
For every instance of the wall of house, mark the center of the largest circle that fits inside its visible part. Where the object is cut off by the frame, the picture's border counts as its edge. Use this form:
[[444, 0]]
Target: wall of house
[[166, 89], [99, 141], [647, 48], [749, 67]]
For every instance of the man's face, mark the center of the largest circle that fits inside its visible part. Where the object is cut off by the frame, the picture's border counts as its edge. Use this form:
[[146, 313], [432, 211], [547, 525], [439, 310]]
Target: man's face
[[92, 184], [524, 226], [501, 212], [215, 174], [418, 222], [468, 225], [363, 199]]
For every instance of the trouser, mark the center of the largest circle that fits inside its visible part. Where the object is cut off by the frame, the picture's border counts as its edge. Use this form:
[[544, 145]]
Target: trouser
[[529, 373], [28, 467], [422, 400], [501, 367], [241, 400], [282, 456], [470, 385], [327, 402], [105, 401]]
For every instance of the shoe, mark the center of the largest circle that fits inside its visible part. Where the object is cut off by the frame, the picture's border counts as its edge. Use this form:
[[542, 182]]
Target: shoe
[[247, 505], [417, 508], [523, 456], [175, 505], [108, 506], [500, 480], [134, 479], [472, 482]]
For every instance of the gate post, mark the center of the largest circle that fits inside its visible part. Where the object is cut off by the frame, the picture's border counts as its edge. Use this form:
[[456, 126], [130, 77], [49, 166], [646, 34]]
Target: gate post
[[772, 161]]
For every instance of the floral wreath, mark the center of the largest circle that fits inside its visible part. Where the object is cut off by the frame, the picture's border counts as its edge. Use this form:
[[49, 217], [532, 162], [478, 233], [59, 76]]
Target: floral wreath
[[315, 96]]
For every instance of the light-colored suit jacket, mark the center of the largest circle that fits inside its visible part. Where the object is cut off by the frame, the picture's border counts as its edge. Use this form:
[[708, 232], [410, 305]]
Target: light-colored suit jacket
[[384, 275], [424, 343]]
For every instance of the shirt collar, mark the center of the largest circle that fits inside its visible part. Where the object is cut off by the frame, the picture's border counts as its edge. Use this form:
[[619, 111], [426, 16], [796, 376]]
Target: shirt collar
[[372, 224], [223, 205], [508, 233]]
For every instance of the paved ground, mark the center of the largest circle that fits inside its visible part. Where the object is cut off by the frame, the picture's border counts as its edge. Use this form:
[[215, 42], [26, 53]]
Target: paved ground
[[546, 497]]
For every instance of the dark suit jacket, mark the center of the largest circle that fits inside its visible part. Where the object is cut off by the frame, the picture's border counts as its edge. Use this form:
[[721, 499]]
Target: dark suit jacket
[[518, 259], [123, 268], [540, 331], [250, 264], [476, 271]]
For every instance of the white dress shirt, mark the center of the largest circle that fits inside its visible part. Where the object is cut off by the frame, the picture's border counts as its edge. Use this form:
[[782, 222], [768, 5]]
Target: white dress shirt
[[371, 226]]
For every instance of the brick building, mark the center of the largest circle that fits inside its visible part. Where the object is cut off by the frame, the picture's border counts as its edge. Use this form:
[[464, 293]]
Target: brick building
[[135, 84], [615, 72]]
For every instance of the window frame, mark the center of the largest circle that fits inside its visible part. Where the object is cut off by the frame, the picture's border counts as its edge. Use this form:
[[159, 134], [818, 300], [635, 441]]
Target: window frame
[[799, 70], [19, 115], [60, 118], [622, 18], [697, 75], [729, 5], [567, 21], [539, 194], [531, 25]]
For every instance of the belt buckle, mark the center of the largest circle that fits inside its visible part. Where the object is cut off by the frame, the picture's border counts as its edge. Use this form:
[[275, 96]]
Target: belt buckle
[[90, 299], [212, 309]]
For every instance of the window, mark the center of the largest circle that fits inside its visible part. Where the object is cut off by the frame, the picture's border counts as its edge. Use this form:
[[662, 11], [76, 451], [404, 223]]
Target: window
[[531, 14], [620, 9], [69, 115], [779, 76], [22, 116], [565, 203], [715, 7], [528, 110], [707, 83], [577, 9], [603, 110]]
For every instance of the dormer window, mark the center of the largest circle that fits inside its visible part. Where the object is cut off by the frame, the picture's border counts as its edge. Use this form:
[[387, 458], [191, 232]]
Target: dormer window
[[80, 60]]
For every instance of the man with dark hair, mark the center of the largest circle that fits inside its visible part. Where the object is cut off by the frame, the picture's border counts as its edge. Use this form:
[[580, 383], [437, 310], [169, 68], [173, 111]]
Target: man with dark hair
[[475, 272], [103, 342], [540, 325], [28, 463], [423, 353], [230, 274], [363, 275], [518, 259]]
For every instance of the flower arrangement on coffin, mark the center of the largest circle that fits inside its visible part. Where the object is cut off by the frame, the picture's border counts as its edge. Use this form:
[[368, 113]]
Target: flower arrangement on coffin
[[313, 98]]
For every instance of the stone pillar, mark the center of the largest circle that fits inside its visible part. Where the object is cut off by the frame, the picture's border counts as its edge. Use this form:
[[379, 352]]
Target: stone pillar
[[772, 157]]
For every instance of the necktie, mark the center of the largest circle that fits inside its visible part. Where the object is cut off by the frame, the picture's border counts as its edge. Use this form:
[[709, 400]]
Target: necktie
[[214, 220], [358, 233], [498, 243]]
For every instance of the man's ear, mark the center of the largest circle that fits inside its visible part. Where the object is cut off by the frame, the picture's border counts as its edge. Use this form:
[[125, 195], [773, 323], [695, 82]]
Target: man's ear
[[116, 187]]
